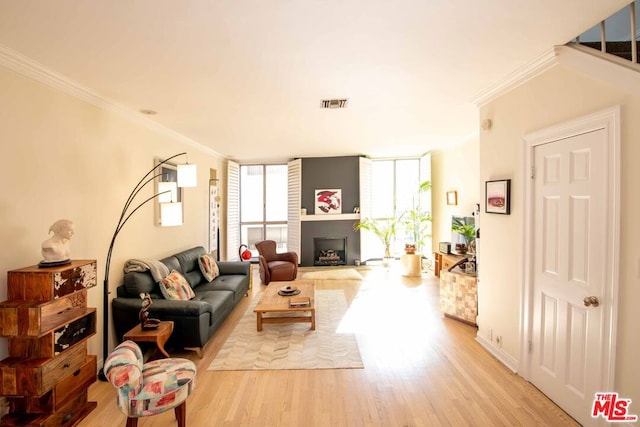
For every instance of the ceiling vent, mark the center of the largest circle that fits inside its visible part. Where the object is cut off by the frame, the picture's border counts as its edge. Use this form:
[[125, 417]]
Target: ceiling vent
[[333, 103]]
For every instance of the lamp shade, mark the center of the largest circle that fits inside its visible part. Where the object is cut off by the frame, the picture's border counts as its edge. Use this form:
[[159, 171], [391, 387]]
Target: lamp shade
[[168, 192], [170, 214], [187, 175]]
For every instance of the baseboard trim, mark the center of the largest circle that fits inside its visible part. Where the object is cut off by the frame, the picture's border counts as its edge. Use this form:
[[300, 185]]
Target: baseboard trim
[[505, 358]]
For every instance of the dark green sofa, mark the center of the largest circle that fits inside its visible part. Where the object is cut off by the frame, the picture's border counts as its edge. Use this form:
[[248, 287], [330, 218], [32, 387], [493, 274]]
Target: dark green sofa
[[195, 320]]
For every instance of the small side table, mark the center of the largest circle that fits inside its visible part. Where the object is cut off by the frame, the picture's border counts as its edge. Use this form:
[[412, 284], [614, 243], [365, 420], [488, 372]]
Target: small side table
[[159, 336], [411, 265]]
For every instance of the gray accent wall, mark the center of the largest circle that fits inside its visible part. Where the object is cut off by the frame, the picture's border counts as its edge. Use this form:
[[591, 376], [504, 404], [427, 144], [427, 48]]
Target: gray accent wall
[[330, 173]]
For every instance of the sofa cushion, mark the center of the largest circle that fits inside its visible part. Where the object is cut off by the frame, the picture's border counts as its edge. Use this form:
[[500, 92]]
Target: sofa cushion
[[189, 259], [172, 263], [137, 283], [176, 287], [221, 302], [208, 267], [234, 267], [235, 284]]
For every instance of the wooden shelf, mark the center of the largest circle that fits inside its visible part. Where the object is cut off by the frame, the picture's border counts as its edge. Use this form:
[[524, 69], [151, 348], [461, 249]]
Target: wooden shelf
[[331, 217]]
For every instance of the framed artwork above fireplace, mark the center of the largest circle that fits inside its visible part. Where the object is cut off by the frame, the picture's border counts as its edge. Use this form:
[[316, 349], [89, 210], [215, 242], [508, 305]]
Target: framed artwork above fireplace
[[328, 201]]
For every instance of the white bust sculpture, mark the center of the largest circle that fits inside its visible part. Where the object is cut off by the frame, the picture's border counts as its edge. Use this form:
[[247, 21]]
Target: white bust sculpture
[[58, 247]]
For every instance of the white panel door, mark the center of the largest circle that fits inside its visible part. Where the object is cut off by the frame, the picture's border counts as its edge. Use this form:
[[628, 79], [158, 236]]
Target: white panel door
[[570, 237]]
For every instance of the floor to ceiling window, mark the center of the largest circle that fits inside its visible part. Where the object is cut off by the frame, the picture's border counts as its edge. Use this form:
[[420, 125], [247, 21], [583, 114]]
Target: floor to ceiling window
[[395, 183], [263, 205], [258, 197]]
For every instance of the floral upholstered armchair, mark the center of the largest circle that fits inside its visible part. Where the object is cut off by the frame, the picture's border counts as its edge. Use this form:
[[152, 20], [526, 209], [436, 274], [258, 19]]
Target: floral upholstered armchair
[[146, 389]]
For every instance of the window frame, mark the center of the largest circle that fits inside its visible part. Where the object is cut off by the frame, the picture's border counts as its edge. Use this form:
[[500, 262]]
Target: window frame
[[264, 224]]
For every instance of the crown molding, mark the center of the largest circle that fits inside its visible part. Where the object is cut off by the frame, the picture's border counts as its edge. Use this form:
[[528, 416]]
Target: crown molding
[[517, 78], [29, 68]]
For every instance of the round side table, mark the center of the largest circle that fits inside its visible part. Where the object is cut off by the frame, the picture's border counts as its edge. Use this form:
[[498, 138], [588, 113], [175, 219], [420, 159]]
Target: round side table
[[411, 265]]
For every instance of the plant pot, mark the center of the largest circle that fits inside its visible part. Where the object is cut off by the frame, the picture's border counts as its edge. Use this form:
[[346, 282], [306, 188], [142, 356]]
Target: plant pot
[[461, 248]]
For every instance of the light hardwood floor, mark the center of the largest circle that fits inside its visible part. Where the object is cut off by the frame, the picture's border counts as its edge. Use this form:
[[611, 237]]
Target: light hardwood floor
[[421, 369]]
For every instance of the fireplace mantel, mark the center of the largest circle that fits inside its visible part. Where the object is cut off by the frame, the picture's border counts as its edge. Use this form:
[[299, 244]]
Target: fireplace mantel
[[331, 217]]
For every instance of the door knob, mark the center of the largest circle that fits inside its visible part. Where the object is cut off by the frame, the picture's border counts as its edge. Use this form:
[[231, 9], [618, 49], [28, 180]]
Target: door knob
[[591, 301]]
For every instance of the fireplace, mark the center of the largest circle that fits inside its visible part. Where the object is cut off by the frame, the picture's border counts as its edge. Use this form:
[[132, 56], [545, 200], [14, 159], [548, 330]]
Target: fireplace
[[329, 251]]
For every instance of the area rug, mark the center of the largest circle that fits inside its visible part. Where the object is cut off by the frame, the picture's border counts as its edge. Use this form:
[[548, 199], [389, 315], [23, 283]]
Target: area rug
[[335, 274], [292, 345]]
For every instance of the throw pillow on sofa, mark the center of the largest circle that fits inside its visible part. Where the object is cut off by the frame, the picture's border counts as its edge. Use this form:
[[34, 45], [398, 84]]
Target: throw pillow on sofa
[[208, 267], [176, 287]]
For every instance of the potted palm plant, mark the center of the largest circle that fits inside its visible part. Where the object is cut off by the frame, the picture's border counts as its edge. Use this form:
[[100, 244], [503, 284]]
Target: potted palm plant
[[416, 221], [466, 231], [384, 229]]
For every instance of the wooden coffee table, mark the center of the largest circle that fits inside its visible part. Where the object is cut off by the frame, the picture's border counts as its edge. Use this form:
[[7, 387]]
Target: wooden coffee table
[[158, 336], [274, 308]]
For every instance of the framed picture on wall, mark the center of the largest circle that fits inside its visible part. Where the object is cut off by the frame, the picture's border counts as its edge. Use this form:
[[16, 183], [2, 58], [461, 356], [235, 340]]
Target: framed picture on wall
[[498, 197], [328, 201], [452, 198]]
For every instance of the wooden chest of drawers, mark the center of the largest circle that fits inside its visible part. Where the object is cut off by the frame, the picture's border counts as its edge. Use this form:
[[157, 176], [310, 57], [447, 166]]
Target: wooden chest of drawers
[[46, 284], [35, 319], [70, 385], [55, 341], [48, 323], [34, 377], [69, 414]]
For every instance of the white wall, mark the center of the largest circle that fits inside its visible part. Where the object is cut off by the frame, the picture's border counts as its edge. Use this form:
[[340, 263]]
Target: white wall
[[65, 158], [557, 95], [455, 169]]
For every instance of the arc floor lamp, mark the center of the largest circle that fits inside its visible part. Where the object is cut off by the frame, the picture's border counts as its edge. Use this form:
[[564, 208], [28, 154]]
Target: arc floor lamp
[[186, 178]]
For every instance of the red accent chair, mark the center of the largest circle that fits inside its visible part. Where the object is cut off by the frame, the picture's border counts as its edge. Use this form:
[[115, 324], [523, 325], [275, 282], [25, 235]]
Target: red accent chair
[[276, 267]]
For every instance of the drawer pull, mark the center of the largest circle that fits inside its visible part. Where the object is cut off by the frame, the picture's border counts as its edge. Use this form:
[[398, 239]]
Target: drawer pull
[[67, 418], [65, 310], [76, 373], [66, 365]]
